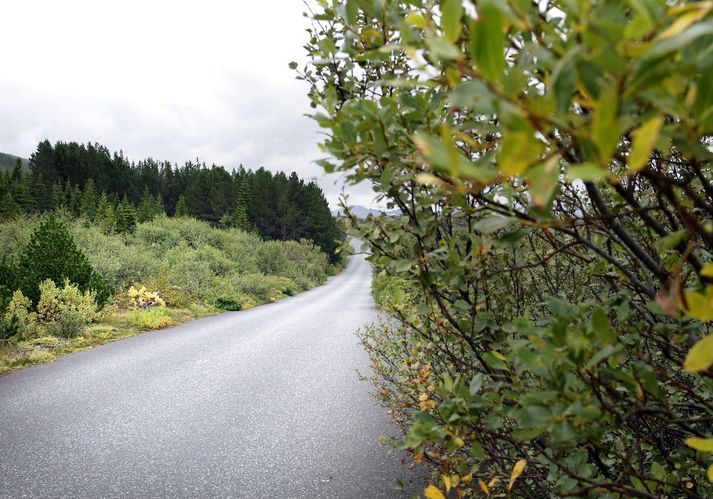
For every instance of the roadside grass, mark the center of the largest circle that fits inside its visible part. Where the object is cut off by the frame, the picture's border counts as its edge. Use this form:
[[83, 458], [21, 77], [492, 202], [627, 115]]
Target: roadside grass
[[115, 324]]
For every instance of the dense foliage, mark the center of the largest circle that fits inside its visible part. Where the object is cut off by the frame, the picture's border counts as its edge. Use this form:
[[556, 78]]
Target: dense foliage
[[552, 165], [66, 284], [183, 258], [89, 181]]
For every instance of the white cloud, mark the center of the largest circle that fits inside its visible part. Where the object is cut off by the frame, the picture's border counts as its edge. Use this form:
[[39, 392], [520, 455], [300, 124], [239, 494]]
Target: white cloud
[[173, 80]]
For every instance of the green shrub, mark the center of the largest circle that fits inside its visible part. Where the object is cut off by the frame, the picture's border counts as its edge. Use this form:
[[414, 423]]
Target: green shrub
[[65, 311], [387, 290], [149, 319], [52, 254], [9, 327], [550, 163], [227, 303]]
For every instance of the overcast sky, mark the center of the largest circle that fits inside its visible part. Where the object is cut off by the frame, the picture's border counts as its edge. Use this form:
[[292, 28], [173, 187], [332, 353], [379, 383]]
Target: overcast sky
[[173, 80]]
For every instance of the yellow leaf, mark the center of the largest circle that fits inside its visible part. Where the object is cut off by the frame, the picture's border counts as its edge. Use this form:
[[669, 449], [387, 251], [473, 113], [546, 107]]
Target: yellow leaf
[[500, 356], [707, 270], [416, 19], [447, 482], [699, 305], [701, 444], [644, 140], [484, 487], [432, 492], [685, 21], [455, 480], [518, 150], [516, 472], [710, 473], [700, 356]]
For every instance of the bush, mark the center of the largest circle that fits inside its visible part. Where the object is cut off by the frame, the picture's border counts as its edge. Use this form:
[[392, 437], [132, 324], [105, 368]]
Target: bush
[[142, 298], [52, 254], [227, 303], [19, 308], [549, 168], [149, 319], [65, 311], [9, 327]]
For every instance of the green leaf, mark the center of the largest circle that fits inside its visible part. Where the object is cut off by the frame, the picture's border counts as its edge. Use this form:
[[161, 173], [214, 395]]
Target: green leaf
[[601, 327], [491, 224], [518, 150], [442, 49], [671, 241], [700, 356], [451, 14], [564, 80], [543, 181], [588, 172], [605, 128], [402, 266], [351, 11], [644, 140], [487, 41]]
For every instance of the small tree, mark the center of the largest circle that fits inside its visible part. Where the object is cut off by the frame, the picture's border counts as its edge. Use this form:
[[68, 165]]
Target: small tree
[[182, 207], [53, 254], [88, 202], [104, 216], [147, 207], [125, 217], [9, 209]]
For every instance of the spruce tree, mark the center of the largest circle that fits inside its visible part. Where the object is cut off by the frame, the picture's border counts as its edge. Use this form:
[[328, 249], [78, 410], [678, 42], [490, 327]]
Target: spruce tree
[[147, 207], [104, 216], [125, 217], [182, 207], [158, 205], [75, 201], [88, 202], [57, 198]]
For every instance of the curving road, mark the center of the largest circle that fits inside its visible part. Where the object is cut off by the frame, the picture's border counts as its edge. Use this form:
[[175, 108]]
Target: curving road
[[261, 403]]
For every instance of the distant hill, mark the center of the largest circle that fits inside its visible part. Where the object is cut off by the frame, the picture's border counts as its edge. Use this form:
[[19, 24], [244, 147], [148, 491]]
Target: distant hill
[[363, 212], [7, 162]]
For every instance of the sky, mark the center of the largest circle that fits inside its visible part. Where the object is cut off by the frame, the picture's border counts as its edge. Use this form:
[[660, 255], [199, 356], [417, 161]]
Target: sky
[[173, 80]]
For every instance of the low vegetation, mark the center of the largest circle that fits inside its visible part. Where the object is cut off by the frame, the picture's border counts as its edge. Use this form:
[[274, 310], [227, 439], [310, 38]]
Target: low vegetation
[[66, 285]]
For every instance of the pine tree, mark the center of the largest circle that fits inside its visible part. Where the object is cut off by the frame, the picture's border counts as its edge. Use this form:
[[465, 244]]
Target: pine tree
[[182, 207], [88, 202], [104, 216], [52, 254]]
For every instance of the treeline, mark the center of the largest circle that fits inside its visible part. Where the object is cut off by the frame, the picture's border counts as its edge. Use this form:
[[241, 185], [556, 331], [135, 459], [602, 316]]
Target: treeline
[[115, 193]]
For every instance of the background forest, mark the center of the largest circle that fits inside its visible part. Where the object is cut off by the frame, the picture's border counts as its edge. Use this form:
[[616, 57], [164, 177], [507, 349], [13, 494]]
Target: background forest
[[90, 181]]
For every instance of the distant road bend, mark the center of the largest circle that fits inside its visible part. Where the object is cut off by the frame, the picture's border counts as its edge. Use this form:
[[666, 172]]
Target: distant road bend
[[261, 403]]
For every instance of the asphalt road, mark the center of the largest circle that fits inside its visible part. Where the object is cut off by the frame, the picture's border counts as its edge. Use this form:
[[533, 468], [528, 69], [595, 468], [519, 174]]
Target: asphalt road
[[260, 403]]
